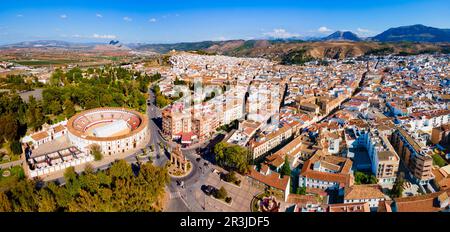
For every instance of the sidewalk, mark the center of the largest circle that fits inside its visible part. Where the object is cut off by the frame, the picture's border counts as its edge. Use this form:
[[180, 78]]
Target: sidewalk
[[11, 164]]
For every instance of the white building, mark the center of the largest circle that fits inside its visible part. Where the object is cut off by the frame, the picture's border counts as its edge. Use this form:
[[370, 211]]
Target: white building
[[371, 194]]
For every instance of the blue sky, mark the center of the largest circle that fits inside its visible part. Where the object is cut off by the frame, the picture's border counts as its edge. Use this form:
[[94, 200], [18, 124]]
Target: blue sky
[[177, 20]]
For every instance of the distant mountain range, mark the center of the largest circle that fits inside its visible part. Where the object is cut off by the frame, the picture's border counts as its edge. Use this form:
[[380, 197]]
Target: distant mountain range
[[112, 45], [342, 36], [49, 44], [407, 40], [414, 33]]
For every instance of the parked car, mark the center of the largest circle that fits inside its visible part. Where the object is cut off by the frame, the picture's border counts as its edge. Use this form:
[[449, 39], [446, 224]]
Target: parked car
[[208, 189]]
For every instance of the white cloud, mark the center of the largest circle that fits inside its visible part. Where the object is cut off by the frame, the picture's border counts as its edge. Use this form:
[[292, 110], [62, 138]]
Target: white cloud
[[19, 15], [128, 19], [152, 20], [99, 15], [63, 16], [364, 32], [97, 36], [94, 36], [280, 33], [324, 29], [220, 38]]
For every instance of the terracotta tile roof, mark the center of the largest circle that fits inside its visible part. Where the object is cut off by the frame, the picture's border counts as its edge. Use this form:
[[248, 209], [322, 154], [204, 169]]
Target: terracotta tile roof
[[276, 160], [272, 180], [372, 191], [443, 197], [384, 206], [291, 149], [422, 203], [59, 128], [343, 179], [302, 199], [330, 166], [39, 136], [271, 135], [349, 207], [316, 191], [264, 168]]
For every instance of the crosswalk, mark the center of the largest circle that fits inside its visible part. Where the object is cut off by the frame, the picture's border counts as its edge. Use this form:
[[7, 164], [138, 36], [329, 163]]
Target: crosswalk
[[174, 195]]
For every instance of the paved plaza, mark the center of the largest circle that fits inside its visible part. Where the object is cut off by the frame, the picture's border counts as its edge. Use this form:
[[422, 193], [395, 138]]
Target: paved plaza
[[196, 200]]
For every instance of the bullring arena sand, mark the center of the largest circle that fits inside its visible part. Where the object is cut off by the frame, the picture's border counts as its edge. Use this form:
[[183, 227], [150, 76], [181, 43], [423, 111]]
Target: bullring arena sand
[[90, 130]]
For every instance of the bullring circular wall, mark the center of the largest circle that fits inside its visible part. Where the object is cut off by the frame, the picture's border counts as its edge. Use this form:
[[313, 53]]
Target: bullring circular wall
[[81, 125]]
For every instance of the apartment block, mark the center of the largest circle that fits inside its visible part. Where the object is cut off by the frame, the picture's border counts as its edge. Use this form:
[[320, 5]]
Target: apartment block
[[417, 159]]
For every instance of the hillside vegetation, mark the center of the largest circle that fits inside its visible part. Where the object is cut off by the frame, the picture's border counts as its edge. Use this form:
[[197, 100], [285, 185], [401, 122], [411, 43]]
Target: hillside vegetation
[[300, 51]]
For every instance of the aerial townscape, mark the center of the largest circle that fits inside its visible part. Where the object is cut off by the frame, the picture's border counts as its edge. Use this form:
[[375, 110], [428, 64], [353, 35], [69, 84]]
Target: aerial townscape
[[342, 122]]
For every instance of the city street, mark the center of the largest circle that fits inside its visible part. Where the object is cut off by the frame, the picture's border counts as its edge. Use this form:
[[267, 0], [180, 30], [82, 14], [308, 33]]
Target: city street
[[189, 196]]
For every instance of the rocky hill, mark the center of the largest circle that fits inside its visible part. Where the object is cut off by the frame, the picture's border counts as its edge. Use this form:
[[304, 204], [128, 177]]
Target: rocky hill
[[414, 33], [342, 36]]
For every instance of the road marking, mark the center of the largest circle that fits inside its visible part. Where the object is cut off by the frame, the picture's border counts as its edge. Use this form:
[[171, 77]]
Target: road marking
[[174, 195]]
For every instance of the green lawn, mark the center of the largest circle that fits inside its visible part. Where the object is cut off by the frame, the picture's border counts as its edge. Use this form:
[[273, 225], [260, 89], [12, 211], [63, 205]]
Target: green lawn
[[17, 173], [8, 152]]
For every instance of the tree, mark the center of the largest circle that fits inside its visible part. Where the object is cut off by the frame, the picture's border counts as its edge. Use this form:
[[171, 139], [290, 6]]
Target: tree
[[219, 149], [96, 151], [55, 107], [113, 190], [86, 202], [161, 101], [16, 147], [301, 190], [286, 168], [230, 177], [221, 193], [397, 189], [57, 78], [91, 103], [233, 157], [73, 185], [62, 196], [120, 169], [23, 196], [69, 108], [40, 119], [47, 202], [363, 178], [34, 116], [9, 127], [5, 204]]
